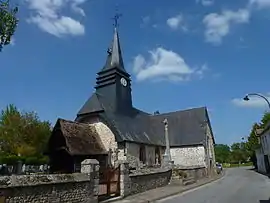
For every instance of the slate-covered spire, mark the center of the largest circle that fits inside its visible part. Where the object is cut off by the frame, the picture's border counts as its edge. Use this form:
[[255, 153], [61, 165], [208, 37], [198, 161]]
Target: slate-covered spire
[[114, 58], [114, 65], [113, 84]]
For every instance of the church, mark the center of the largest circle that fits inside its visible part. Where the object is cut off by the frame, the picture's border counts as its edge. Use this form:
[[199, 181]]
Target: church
[[110, 129]]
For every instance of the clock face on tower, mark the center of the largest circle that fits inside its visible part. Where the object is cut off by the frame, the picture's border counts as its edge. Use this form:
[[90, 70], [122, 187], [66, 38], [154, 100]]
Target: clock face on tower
[[123, 82]]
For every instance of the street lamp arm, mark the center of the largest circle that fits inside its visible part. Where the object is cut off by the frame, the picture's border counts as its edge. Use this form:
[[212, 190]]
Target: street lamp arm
[[260, 95]]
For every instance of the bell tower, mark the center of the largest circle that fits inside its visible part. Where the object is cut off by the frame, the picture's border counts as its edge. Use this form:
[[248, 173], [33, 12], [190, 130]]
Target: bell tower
[[113, 83]]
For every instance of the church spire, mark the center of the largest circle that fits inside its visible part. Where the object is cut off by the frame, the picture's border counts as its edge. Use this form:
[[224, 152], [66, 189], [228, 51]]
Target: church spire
[[113, 83], [114, 58]]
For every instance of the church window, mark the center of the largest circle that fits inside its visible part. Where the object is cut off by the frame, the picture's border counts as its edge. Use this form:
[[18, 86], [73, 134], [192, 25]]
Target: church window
[[142, 154]]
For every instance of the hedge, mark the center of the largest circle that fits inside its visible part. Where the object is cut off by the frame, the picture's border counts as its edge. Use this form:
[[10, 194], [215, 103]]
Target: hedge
[[13, 159]]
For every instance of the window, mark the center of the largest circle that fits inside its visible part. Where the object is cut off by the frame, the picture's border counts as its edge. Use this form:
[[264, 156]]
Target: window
[[142, 154], [264, 143], [157, 156]]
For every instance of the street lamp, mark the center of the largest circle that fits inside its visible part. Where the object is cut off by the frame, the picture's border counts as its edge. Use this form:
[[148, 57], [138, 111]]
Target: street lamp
[[246, 98]]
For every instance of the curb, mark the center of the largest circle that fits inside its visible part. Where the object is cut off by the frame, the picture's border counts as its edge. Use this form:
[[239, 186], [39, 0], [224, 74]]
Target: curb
[[184, 190]]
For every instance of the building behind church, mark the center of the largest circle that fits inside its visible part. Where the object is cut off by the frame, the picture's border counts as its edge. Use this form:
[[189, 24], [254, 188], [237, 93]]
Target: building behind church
[[110, 129]]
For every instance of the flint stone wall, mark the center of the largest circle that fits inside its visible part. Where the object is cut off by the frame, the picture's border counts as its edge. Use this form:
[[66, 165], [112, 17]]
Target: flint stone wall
[[53, 188], [196, 172], [141, 181]]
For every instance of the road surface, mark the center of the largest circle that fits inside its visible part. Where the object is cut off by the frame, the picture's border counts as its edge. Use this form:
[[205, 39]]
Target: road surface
[[239, 185]]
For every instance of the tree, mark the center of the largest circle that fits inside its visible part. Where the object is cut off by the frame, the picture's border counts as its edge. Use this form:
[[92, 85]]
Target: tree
[[253, 141], [8, 22], [23, 133], [239, 152], [265, 120], [222, 153]]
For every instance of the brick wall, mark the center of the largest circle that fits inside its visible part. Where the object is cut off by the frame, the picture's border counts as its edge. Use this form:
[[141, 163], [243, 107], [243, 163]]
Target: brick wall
[[78, 187], [188, 156]]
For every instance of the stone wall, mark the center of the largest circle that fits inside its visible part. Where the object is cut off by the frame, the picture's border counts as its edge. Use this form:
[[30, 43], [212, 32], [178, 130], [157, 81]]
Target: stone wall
[[133, 154], [78, 187], [123, 151], [210, 145], [194, 172], [260, 160], [143, 180], [188, 156]]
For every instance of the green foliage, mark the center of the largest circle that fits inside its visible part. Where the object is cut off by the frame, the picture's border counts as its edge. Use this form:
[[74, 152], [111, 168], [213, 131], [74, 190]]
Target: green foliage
[[10, 159], [253, 141], [234, 154], [265, 119], [36, 160], [237, 165], [222, 153], [239, 153], [24, 134], [13, 159], [8, 22]]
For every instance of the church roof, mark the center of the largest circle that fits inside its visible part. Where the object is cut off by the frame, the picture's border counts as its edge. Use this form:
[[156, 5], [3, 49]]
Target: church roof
[[91, 105], [186, 127]]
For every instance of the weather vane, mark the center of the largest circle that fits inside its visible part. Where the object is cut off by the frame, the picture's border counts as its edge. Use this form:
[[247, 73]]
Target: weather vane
[[116, 18]]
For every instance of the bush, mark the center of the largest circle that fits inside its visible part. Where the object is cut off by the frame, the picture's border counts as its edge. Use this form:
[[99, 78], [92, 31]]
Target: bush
[[13, 159], [10, 159], [36, 160]]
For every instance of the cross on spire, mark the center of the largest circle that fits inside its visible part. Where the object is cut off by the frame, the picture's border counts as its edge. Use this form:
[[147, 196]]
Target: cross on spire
[[116, 18]]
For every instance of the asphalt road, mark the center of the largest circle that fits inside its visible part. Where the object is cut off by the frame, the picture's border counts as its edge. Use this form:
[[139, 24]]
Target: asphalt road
[[239, 185]]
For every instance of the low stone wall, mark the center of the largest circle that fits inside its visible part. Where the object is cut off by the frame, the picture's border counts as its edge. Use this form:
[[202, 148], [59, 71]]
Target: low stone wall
[[77, 187], [142, 181], [197, 173]]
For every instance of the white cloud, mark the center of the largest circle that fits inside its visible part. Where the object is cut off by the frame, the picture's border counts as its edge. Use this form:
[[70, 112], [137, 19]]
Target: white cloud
[[164, 65], [206, 2], [146, 19], [260, 3], [253, 102], [47, 16], [219, 25], [174, 22], [177, 22]]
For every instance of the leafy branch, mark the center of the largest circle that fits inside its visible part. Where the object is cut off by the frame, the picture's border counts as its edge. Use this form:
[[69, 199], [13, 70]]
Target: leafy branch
[[8, 22]]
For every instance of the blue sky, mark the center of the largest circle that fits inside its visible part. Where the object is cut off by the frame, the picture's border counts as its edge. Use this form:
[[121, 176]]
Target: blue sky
[[181, 54]]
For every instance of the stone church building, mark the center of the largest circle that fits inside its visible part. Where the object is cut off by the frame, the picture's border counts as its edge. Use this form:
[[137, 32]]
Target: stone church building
[[109, 128]]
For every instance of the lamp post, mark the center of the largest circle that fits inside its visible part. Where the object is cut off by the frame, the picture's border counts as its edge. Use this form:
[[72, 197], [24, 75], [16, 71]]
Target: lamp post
[[246, 98], [241, 148]]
